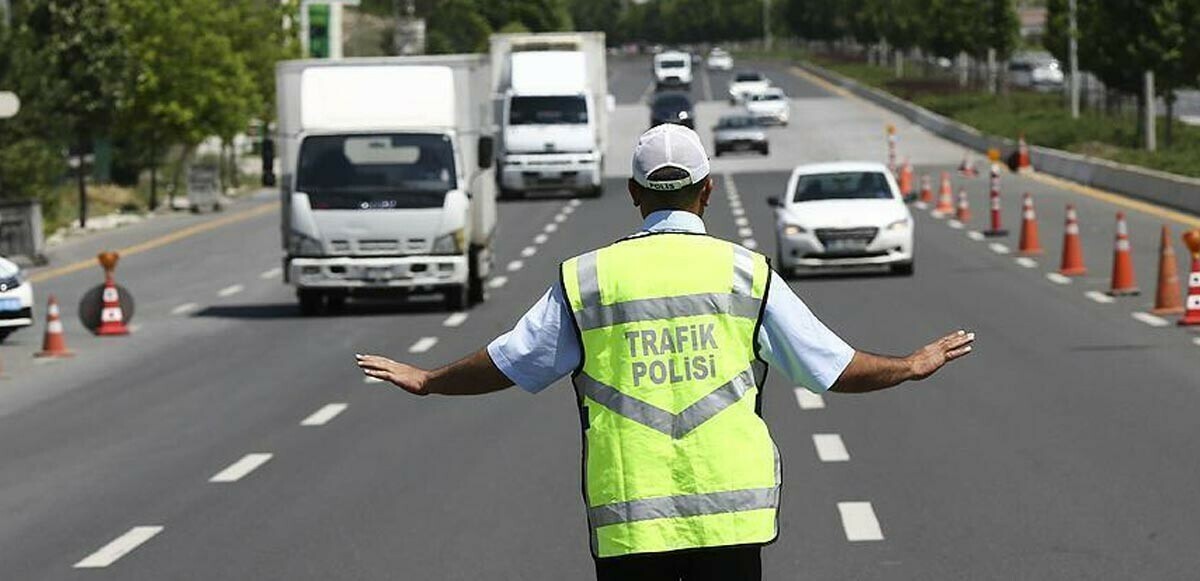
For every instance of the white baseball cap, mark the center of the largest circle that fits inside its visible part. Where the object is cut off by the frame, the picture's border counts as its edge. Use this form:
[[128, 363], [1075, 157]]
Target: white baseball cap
[[669, 145]]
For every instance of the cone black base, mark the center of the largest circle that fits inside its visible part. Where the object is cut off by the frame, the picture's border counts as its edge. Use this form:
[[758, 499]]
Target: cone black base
[[1127, 292], [995, 233]]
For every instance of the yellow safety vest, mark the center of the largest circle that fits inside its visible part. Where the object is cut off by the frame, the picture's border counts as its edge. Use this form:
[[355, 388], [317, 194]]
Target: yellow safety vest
[[676, 455]]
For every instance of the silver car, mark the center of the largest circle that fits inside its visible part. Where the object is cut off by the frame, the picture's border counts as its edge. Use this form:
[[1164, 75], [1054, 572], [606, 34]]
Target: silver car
[[739, 133]]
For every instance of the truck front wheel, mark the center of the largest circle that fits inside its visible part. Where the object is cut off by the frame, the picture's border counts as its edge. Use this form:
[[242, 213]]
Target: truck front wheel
[[458, 298], [311, 302]]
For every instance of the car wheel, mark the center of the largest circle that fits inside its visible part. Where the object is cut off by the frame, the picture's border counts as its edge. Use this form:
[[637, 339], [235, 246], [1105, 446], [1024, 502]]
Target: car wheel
[[5, 332], [458, 298], [335, 303], [766, 150], [903, 269], [311, 302]]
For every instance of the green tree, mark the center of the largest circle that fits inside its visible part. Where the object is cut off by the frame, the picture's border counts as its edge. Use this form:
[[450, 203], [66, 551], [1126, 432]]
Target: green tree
[[457, 26]]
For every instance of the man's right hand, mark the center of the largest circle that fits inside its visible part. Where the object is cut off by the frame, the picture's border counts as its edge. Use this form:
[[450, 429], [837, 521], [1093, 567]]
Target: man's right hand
[[406, 377]]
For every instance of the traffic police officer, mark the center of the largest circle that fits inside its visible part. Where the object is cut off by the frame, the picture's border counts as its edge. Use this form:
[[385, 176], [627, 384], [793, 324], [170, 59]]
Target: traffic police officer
[[668, 334]]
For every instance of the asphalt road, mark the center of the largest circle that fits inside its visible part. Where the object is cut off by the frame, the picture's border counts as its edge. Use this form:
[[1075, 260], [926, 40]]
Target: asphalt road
[[1063, 448]]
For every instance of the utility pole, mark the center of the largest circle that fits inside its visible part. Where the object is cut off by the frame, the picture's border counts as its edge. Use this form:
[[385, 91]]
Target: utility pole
[[1073, 49], [766, 19], [1151, 115]]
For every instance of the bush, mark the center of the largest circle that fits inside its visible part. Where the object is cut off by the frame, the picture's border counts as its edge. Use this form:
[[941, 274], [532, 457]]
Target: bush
[[29, 168]]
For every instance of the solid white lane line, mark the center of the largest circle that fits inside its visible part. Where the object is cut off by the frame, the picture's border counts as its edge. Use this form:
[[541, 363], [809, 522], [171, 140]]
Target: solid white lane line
[[324, 415], [745, 232], [230, 290], [998, 248], [540, 239], [741, 221], [515, 265], [118, 547], [551, 228], [750, 243], [528, 251], [830, 448], [455, 320], [1098, 297], [1057, 278], [809, 400], [241, 468], [973, 235], [955, 224], [1151, 319], [184, 308], [1026, 262], [272, 273], [423, 344], [859, 522], [497, 281]]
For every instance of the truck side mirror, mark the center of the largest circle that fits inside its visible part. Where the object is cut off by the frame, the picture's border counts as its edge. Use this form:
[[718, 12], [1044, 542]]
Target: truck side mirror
[[268, 163], [773, 201], [487, 151]]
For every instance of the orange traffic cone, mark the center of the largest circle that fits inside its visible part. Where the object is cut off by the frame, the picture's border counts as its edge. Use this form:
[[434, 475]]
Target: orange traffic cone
[[1031, 245], [1023, 162], [112, 318], [55, 343], [1167, 300], [1192, 317], [963, 212], [945, 204], [906, 180], [926, 189], [997, 230], [1072, 254], [1123, 280], [967, 167]]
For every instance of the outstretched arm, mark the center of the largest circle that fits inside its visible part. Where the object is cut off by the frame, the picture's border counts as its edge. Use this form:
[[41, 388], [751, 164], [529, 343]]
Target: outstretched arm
[[474, 374], [868, 372]]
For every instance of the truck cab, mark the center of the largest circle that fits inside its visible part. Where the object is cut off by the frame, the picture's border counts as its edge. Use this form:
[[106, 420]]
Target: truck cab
[[673, 70]]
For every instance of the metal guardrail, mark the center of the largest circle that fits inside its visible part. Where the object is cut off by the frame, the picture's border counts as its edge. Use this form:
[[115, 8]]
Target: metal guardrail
[[1167, 189]]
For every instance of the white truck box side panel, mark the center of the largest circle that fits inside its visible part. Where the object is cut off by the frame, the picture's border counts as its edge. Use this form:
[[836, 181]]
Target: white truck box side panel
[[370, 98]]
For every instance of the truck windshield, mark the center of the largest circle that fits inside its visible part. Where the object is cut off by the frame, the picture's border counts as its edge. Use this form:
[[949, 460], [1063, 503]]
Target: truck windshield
[[385, 171], [672, 64], [565, 110]]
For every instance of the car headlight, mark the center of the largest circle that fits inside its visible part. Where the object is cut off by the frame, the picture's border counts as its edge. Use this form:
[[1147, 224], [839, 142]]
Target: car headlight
[[793, 230], [304, 245], [451, 243], [898, 225]]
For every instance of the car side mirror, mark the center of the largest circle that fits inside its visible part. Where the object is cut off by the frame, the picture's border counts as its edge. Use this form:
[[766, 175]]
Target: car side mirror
[[774, 202], [487, 151]]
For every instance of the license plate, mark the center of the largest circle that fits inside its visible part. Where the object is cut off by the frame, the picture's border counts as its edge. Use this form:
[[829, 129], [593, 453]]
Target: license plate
[[10, 304], [849, 245], [378, 273]]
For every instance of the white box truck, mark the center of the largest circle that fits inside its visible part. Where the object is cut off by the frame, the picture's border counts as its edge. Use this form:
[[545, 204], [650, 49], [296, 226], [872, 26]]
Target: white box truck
[[552, 104], [388, 186]]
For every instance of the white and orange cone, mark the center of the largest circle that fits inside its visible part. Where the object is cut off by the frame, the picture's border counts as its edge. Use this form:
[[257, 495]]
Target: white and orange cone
[[1124, 281], [1072, 254], [54, 343], [945, 204], [1030, 245]]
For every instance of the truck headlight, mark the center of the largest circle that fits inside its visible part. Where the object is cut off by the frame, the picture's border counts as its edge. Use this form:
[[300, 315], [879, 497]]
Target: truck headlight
[[898, 225], [304, 245], [793, 230], [451, 243]]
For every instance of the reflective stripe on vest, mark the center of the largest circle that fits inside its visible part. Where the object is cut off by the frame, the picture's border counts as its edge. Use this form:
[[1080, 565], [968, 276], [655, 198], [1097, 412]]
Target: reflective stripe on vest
[[676, 456]]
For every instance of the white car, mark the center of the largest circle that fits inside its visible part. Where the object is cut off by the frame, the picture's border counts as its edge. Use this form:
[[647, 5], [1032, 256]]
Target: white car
[[747, 83], [673, 70], [846, 214], [16, 299], [719, 60], [769, 106]]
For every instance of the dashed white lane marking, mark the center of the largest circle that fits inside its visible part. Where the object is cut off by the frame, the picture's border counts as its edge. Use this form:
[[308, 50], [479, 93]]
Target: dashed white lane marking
[[1196, 341], [369, 379], [230, 290], [528, 251], [515, 265], [455, 320], [540, 239], [325, 414], [1151, 319], [184, 309], [118, 547], [920, 205], [739, 211], [575, 203], [973, 235], [998, 248], [1098, 297], [271, 273], [859, 522], [241, 468], [1026, 262], [423, 344], [1057, 278], [741, 221], [809, 400], [551, 228], [750, 243], [830, 448], [955, 224], [497, 281], [568, 209], [560, 218], [745, 232]]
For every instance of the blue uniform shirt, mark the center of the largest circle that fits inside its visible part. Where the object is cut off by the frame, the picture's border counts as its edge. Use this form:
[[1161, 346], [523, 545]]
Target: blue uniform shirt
[[543, 347]]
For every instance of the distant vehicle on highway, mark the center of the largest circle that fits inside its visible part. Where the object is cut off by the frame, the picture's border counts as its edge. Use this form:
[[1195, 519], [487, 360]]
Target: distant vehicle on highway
[[747, 83], [719, 60], [16, 299], [846, 214], [739, 133], [672, 69], [769, 107], [672, 107], [1038, 71]]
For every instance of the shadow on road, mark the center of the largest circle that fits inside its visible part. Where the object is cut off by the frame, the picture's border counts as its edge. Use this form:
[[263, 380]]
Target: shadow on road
[[358, 308]]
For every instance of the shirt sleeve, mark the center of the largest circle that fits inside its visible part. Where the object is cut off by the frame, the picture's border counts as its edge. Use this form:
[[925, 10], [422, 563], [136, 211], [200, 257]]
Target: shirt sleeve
[[542, 348], [794, 341]]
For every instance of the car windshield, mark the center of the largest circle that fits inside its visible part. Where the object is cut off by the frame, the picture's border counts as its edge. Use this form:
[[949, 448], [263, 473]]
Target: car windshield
[[842, 186], [384, 171], [671, 64], [568, 110], [747, 78], [737, 123], [768, 97]]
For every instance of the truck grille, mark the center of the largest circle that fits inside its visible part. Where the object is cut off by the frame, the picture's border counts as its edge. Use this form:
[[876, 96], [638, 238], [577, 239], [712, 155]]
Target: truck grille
[[379, 246]]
